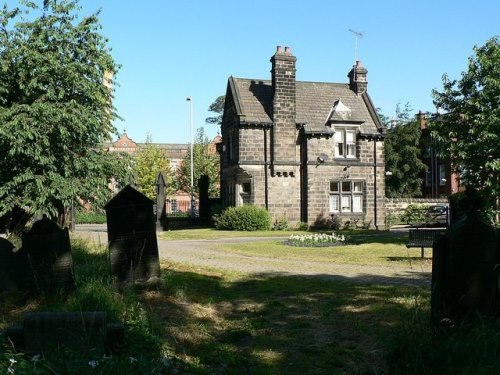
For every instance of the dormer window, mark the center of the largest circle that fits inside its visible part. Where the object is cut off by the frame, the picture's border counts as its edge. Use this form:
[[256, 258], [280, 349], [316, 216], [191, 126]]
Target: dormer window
[[345, 143]]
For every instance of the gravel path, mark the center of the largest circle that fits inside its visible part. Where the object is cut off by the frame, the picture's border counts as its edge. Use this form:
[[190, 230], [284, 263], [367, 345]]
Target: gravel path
[[209, 253]]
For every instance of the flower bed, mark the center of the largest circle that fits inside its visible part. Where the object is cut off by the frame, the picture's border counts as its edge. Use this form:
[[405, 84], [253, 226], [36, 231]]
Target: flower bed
[[316, 240]]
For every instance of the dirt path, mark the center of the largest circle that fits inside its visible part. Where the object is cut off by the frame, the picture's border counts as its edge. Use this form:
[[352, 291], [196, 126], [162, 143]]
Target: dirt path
[[209, 253]]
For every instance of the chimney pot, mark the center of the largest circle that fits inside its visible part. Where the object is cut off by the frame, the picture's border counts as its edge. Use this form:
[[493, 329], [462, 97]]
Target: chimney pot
[[287, 50], [279, 49]]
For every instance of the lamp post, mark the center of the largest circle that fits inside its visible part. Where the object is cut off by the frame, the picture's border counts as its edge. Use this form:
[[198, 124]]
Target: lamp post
[[190, 100]]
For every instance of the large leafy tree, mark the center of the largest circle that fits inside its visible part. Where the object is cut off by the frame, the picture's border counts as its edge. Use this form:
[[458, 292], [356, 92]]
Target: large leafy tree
[[55, 108], [206, 162], [469, 132], [403, 155], [216, 107], [149, 161]]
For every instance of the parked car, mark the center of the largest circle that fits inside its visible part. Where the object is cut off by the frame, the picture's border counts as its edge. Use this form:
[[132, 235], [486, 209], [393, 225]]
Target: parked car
[[437, 215]]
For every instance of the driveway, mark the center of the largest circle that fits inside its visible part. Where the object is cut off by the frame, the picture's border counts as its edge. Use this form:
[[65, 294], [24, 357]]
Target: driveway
[[210, 254]]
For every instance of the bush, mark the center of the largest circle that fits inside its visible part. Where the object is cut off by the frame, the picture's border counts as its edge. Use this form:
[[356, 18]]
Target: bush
[[280, 224], [414, 214], [90, 217], [245, 218]]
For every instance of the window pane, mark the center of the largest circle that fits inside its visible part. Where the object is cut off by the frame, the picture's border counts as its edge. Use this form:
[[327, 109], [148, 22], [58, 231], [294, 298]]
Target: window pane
[[339, 143], [334, 203], [357, 203], [339, 149], [349, 137], [334, 186], [358, 187], [346, 186], [346, 203], [351, 150]]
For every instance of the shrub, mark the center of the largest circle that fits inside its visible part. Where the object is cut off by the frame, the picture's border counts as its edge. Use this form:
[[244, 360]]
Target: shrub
[[280, 224], [414, 214], [245, 218], [90, 217]]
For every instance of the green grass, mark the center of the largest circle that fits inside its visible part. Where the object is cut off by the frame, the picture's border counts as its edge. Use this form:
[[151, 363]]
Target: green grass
[[203, 321], [211, 233]]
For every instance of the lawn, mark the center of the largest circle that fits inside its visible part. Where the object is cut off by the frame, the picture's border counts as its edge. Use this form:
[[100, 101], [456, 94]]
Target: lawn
[[201, 321]]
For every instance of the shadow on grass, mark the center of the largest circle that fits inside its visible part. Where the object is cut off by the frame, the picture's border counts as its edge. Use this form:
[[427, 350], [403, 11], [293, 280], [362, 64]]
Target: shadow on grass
[[273, 324], [380, 237]]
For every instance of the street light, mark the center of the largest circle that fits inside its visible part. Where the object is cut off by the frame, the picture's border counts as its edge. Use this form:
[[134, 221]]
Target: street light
[[190, 100]]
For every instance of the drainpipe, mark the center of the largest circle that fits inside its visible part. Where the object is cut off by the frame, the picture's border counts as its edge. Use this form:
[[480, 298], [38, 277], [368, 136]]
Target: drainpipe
[[266, 192], [375, 206]]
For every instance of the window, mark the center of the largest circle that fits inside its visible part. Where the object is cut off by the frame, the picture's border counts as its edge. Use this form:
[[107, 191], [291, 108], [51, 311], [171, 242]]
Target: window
[[246, 187], [346, 196], [428, 177], [345, 143], [442, 175]]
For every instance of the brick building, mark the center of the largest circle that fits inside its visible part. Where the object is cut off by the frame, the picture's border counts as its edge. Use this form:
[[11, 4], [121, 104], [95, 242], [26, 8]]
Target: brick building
[[306, 151], [439, 181]]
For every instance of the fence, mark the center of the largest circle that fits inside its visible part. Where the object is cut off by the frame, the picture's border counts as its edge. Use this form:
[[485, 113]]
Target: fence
[[181, 208]]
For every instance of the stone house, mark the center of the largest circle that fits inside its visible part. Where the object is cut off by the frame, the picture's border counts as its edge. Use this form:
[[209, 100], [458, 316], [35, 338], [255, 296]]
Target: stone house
[[306, 151]]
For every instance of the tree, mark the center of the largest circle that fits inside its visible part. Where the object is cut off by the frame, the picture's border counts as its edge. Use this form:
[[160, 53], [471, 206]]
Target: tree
[[55, 109], [469, 133], [149, 161], [402, 156], [217, 107], [206, 162]]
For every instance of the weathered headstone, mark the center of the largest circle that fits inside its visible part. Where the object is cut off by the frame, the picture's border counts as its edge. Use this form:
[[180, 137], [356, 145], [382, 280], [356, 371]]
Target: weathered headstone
[[133, 248], [464, 272], [7, 266], [203, 185], [161, 187], [48, 248], [72, 330]]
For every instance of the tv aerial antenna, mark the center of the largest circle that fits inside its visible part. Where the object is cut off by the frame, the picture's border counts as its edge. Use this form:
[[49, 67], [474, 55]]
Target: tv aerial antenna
[[357, 35]]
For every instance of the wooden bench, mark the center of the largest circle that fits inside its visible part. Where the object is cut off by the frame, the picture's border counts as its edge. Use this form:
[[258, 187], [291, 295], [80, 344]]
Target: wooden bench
[[423, 238]]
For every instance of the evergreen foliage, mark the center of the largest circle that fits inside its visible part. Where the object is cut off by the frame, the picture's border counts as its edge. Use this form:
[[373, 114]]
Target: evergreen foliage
[[402, 156], [245, 218]]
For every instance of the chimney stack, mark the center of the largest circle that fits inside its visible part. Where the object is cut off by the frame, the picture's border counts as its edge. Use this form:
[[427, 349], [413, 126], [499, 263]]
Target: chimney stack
[[357, 78], [283, 110]]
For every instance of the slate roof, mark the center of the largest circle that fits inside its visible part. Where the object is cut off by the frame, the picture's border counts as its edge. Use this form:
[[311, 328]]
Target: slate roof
[[314, 101]]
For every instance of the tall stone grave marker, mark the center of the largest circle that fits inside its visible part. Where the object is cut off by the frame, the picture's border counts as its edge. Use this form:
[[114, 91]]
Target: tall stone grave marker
[[133, 248], [161, 187], [465, 280]]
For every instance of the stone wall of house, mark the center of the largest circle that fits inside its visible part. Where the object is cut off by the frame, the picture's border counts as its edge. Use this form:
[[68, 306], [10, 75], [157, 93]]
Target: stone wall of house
[[362, 169]]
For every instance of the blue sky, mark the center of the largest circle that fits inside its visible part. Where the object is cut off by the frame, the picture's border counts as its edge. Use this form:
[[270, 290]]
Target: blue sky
[[170, 50]]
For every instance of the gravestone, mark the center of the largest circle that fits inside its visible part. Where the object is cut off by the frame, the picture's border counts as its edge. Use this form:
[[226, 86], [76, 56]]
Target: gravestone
[[82, 330], [203, 185], [48, 248], [133, 248], [8, 280], [464, 272], [161, 187]]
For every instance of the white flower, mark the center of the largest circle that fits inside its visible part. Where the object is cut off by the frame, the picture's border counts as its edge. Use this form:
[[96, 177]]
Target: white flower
[[93, 363], [132, 359], [36, 358], [12, 361]]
